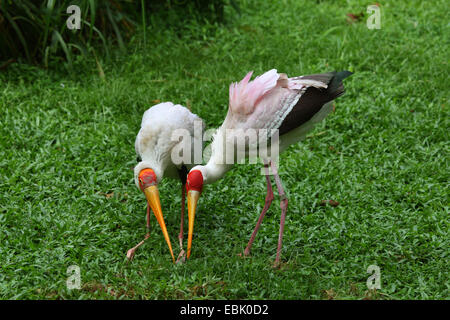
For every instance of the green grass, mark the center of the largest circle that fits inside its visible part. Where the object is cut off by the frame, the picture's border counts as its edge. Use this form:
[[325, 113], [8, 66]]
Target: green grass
[[67, 140]]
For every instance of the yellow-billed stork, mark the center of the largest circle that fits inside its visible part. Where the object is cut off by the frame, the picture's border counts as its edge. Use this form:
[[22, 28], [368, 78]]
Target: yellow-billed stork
[[271, 101], [154, 145]]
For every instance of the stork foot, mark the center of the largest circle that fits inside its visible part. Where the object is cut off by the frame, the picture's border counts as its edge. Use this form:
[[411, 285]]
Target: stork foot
[[132, 251], [279, 265], [181, 257], [130, 254], [242, 255]]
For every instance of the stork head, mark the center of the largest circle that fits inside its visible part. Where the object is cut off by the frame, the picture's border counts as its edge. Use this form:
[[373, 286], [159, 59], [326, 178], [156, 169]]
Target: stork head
[[148, 184], [194, 186]]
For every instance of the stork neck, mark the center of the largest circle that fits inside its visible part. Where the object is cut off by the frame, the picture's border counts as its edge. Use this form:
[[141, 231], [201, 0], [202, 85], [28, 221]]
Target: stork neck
[[216, 168], [215, 171]]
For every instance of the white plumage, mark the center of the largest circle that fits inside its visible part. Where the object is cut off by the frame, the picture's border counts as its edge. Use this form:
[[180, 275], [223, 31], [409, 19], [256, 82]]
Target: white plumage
[[271, 101], [154, 142], [154, 145]]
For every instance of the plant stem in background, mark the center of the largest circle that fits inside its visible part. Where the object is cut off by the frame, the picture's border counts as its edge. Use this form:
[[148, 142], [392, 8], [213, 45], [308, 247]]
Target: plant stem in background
[[143, 22]]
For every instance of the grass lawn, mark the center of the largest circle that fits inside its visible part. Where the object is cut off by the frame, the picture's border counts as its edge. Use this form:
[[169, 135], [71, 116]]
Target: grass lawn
[[67, 195]]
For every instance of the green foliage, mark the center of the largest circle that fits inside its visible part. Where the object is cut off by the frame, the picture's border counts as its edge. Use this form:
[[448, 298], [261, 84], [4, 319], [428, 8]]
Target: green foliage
[[67, 194], [38, 32]]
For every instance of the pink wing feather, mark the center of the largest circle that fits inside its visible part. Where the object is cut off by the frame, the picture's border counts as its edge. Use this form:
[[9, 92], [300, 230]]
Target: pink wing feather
[[245, 95], [265, 101]]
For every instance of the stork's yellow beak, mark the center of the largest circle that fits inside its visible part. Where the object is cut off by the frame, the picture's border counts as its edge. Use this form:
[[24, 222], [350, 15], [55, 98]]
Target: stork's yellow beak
[[192, 198], [152, 195]]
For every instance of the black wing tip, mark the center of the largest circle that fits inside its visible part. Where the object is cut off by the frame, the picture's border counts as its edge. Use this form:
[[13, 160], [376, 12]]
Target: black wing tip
[[336, 87], [338, 77], [341, 75]]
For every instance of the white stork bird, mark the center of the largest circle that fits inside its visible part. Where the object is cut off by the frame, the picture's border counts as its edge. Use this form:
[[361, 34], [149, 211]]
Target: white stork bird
[[271, 101], [154, 145]]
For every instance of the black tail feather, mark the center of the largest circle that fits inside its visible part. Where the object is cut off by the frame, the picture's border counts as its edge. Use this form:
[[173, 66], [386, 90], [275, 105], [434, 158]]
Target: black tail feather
[[335, 87], [313, 99]]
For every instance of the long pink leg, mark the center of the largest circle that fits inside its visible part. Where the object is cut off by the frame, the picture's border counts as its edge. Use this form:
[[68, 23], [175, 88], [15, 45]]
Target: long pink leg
[[132, 251], [283, 205], [269, 199], [182, 255]]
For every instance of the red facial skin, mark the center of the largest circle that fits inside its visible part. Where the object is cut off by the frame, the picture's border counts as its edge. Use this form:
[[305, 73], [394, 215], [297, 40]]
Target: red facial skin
[[194, 181], [147, 178]]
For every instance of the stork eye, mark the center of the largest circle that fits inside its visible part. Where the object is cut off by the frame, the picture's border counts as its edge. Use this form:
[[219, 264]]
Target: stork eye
[[138, 159]]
